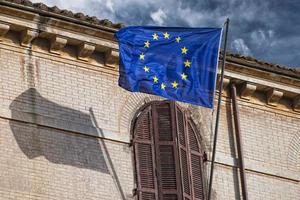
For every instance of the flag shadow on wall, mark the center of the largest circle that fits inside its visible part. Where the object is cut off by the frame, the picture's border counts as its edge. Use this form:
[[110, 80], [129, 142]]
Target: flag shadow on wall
[[56, 145]]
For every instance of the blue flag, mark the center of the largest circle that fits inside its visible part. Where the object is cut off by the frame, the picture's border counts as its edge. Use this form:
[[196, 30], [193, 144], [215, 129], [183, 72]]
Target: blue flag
[[175, 63]]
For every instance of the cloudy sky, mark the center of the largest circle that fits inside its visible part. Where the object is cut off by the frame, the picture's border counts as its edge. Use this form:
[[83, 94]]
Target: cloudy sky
[[268, 30]]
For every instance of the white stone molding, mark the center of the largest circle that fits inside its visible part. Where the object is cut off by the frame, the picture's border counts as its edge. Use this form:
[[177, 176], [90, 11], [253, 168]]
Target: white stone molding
[[130, 106], [261, 81], [112, 58], [273, 90], [85, 51], [226, 82], [57, 43], [86, 40], [247, 90], [4, 28], [273, 97], [27, 37], [296, 103]]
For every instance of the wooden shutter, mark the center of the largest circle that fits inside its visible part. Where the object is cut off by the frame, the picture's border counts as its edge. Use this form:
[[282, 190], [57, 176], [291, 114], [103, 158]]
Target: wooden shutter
[[168, 168], [143, 144], [196, 164], [183, 154], [168, 156]]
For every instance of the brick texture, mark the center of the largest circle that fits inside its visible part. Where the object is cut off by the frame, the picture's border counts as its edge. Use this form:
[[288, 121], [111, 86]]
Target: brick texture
[[40, 162], [51, 162]]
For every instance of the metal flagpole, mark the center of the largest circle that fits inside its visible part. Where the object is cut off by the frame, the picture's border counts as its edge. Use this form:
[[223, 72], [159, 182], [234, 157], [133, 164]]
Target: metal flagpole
[[226, 24]]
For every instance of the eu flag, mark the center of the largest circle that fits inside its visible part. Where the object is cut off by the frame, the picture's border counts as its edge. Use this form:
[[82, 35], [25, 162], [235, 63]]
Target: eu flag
[[175, 63]]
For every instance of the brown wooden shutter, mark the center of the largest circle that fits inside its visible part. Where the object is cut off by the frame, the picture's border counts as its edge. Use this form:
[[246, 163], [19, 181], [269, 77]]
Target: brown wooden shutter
[[183, 154], [196, 164], [166, 151], [168, 156], [143, 144]]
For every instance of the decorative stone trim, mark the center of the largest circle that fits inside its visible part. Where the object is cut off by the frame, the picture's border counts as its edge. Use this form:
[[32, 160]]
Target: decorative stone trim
[[57, 44], [4, 28], [273, 90], [85, 51], [112, 58], [131, 106], [60, 32], [247, 90], [273, 97], [87, 40], [27, 37], [260, 81], [136, 100], [226, 82], [296, 103]]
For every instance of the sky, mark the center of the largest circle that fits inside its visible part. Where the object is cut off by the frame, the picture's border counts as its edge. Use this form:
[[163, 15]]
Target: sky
[[268, 30]]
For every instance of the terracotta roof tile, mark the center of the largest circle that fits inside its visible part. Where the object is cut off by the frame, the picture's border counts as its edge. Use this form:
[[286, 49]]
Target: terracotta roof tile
[[67, 13], [105, 22], [264, 65]]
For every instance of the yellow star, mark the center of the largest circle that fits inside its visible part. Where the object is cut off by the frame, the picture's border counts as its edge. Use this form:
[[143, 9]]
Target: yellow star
[[146, 69], [163, 86], [166, 34], [147, 44], [178, 39], [183, 76], [155, 79], [187, 63], [184, 50], [142, 56], [155, 36], [174, 84]]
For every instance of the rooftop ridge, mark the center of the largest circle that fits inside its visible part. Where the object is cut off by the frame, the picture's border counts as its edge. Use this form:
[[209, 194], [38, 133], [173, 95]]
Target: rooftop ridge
[[105, 23], [92, 20], [263, 64]]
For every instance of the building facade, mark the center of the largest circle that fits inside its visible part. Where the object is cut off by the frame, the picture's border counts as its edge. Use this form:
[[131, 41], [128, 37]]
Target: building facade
[[67, 128]]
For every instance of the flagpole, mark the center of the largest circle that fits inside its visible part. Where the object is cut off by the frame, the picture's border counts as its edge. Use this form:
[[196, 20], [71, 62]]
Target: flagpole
[[226, 24]]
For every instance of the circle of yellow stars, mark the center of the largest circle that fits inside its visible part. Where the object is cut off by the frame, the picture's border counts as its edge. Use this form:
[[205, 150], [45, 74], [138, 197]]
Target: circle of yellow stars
[[184, 50]]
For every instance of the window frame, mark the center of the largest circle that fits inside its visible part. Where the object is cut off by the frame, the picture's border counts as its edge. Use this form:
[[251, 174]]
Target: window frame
[[187, 120]]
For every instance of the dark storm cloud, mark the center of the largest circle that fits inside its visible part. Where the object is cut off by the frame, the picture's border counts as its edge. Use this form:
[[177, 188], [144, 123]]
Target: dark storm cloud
[[267, 30]]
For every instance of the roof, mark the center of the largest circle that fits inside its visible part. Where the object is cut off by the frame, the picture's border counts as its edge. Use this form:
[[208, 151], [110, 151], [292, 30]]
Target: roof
[[46, 10], [262, 65], [105, 23]]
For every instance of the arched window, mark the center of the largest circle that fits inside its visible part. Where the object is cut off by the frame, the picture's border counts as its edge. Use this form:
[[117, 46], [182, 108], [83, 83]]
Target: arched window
[[167, 153]]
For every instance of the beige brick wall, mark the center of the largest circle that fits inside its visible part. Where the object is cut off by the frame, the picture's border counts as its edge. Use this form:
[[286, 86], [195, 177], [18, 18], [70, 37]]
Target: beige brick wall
[[51, 150], [41, 163], [269, 137], [259, 186], [42, 159]]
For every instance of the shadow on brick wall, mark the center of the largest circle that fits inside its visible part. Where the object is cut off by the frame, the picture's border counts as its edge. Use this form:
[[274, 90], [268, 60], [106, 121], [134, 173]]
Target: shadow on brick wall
[[57, 146]]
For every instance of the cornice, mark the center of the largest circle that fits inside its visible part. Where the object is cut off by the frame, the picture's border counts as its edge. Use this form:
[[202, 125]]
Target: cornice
[[30, 27], [258, 90], [279, 86], [63, 14], [262, 66]]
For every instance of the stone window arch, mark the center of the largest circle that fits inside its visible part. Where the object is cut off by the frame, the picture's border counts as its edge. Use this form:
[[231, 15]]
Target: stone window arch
[[168, 158]]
